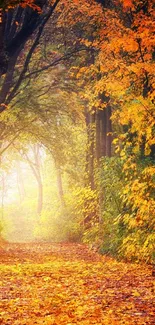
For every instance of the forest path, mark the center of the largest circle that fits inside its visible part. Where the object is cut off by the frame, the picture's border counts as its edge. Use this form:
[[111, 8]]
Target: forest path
[[66, 284]]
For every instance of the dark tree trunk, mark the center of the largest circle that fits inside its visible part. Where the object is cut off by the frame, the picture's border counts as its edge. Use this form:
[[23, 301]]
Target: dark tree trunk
[[91, 153], [17, 25], [3, 55], [103, 133], [108, 131], [8, 79], [98, 136], [87, 120], [90, 124], [152, 154]]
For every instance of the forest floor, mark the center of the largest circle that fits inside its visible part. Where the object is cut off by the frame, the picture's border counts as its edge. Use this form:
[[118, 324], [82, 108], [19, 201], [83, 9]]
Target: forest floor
[[66, 284]]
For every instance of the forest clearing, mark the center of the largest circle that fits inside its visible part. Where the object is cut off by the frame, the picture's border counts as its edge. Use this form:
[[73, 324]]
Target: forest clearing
[[66, 284]]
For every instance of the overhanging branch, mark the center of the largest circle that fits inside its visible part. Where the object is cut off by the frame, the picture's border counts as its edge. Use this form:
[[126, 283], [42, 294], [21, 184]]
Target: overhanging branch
[[31, 51], [55, 62]]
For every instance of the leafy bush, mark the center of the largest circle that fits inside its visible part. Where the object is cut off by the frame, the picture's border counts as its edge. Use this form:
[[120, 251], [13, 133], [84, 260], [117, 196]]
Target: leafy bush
[[68, 222], [139, 196], [110, 182]]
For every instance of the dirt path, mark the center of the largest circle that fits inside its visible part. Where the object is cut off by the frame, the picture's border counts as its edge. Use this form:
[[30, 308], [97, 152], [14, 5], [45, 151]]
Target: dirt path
[[54, 284]]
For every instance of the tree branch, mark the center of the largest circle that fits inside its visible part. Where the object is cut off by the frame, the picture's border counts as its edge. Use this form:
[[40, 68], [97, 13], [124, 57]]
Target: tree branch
[[29, 55], [14, 138], [55, 62]]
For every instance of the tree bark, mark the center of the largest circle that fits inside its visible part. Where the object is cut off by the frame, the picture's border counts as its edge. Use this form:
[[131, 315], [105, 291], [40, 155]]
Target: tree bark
[[20, 182], [40, 197], [3, 196], [59, 184], [90, 124], [91, 151], [37, 163], [3, 56], [35, 167], [13, 40], [8, 79], [103, 132], [98, 136], [108, 132]]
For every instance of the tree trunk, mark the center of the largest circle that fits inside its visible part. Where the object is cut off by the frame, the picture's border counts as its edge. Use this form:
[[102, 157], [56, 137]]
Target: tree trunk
[[40, 197], [37, 163], [35, 167], [3, 56], [20, 182], [91, 151], [103, 133], [98, 136], [108, 132], [3, 195], [8, 81], [87, 120], [13, 40], [90, 123], [59, 184]]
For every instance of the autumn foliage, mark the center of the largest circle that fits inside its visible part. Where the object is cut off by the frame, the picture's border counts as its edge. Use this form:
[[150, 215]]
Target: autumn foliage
[[121, 74], [69, 284], [84, 92]]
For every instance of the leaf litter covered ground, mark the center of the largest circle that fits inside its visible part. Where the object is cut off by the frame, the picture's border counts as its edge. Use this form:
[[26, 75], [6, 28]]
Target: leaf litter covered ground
[[65, 284]]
